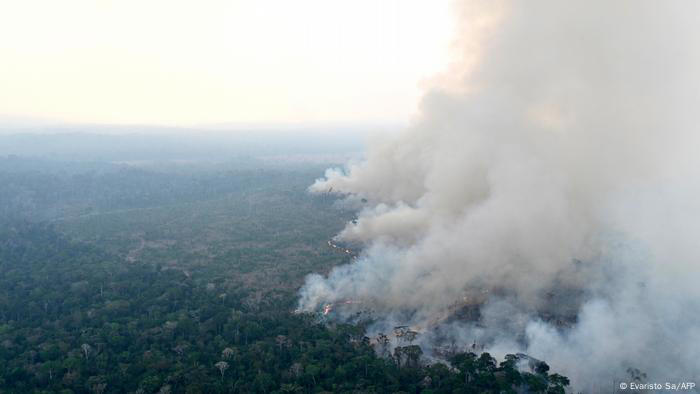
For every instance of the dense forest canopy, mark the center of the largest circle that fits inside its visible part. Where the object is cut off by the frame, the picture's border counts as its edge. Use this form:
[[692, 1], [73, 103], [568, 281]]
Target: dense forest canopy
[[182, 277]]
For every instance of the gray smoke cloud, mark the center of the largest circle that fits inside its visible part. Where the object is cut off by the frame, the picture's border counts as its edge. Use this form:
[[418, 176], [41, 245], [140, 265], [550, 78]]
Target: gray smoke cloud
[[551, 179]]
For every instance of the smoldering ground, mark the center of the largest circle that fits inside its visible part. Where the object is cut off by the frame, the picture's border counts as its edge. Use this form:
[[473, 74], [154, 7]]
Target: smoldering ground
[[551, 178]]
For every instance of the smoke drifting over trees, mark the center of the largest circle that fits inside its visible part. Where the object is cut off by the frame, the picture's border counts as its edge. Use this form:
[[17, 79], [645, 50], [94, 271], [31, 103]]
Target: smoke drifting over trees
[[551, 178]]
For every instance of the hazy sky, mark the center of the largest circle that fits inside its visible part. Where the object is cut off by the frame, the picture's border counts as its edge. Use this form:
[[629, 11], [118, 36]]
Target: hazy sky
[[210, 61]]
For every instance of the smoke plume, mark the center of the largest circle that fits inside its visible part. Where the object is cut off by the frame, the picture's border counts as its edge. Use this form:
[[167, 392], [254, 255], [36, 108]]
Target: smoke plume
[[551, 180]]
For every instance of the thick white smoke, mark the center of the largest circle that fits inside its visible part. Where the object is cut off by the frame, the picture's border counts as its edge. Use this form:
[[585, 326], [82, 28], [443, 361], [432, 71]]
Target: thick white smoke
[[552, 179]]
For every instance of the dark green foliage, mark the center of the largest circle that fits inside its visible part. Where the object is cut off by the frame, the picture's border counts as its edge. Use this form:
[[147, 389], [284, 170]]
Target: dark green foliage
[[196, 298], [74, 319]]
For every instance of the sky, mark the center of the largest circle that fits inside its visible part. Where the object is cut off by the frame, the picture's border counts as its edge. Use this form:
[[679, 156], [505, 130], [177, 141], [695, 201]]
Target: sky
[[185, 63]]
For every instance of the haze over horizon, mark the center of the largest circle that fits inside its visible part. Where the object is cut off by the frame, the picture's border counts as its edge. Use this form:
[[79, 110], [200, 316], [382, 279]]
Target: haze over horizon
[[219, 62]]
